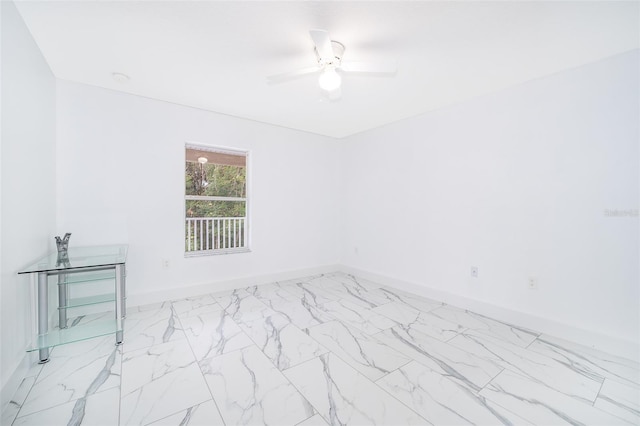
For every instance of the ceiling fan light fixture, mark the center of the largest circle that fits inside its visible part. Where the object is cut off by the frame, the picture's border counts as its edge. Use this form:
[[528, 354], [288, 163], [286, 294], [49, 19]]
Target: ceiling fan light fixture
[[329, 79]]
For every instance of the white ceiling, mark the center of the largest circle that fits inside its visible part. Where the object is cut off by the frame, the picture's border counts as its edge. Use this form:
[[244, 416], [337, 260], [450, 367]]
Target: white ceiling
[[216, 55]]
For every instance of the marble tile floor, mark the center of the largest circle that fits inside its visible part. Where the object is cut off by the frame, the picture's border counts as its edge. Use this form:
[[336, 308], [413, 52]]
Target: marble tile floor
[[329, 349]]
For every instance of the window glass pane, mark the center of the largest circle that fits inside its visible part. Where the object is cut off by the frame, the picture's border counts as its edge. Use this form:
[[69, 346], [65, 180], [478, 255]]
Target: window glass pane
[[215, 208], [219, 180], [219, 224]]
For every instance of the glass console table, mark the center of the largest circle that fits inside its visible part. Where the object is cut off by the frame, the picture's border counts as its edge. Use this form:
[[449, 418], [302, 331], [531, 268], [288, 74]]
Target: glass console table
[[80, 265]]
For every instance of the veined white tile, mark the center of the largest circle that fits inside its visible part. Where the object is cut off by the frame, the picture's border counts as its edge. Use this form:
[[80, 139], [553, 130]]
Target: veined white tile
[[98, 409], [315, 420], [537, 367], [75, 371], [418, 303], [238, 301], [459, 365], [205, 414], [13, 406], [358, 316], [315, 294], [268, 292], [513, 334], [303, 309], [193, 306], [248, 389], [620, 400], [159, 381], [148, 311], [285, 283], [303, 312], [273, 296], [591, 352], [166, 386], [424, 322], [588, 360], [366, 354], [213, 334], [335, 274], [323, 281], [281, 341], [355, 293], [246, 306], [343, 396], [355, 282], [442, 401], [542, 405], [298, 280], [151, 327]]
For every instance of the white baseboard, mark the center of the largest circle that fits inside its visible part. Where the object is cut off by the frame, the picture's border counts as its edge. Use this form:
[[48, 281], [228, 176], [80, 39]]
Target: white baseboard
[[606, 343], [138, 299]]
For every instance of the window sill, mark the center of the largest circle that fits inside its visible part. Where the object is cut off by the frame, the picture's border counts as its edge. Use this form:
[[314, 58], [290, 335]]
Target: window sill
[[201, 253]]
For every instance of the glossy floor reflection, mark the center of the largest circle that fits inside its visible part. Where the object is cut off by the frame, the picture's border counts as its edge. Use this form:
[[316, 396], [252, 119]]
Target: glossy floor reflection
[[330, 349]]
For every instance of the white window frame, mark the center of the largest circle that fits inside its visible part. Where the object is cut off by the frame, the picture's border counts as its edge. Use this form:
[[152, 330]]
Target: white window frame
[[247, 218]]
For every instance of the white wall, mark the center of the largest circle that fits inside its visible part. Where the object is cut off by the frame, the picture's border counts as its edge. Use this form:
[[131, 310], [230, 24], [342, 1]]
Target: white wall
[[27, 190], [121, 179], [515, 183]]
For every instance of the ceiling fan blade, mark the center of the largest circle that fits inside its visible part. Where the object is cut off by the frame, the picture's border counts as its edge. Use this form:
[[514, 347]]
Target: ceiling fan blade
[[291, 75], [389, 68], [323, 44]]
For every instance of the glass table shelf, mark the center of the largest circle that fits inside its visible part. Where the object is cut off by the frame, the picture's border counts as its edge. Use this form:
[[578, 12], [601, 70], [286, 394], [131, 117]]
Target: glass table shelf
[[87, 277], [79, 258], [56, 336], [89, 300]]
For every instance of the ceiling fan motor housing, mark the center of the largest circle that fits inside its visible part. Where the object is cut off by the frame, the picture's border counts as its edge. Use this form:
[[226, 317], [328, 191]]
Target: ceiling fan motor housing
[[338, 51]]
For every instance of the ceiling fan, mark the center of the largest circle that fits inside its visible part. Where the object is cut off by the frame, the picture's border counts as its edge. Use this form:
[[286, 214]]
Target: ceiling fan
[[329, 54]]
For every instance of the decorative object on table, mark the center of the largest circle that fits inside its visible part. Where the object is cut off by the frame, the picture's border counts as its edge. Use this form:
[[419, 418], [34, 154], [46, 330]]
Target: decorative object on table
[[63, 259], [63, 243], [63, 253]]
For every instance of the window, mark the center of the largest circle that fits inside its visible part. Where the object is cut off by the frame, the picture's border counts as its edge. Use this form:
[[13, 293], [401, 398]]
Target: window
[[215, 200]]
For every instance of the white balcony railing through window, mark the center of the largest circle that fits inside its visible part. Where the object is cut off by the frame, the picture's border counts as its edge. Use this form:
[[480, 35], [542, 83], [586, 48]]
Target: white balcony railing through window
[[215, 233]]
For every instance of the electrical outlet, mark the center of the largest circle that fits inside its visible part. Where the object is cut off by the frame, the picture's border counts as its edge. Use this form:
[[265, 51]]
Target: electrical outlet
[[532, 283], [165, 263], [474, 271]]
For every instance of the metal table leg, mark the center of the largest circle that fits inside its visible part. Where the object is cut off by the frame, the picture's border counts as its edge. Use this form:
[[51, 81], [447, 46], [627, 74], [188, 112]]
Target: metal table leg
[[43, 313], [119, 269], [63, 301], [123, 279]]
